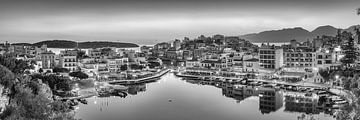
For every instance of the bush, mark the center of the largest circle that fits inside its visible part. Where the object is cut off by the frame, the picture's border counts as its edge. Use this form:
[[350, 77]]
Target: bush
[[123, 67], [60, 70], [79, 74], [7, 78]]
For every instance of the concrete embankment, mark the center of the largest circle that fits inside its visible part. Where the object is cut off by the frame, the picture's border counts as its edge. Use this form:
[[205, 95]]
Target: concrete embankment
[[141, 80]]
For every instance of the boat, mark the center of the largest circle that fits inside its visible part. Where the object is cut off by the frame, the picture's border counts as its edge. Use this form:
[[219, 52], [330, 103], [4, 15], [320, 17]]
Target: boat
[[83, 101], [122, 94]]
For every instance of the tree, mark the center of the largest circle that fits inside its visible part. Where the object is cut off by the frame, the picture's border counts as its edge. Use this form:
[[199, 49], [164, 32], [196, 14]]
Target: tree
[[153, 64], [60, 70], [123, 67], [80, 54], [41, 70], [54, 82], [14, 65], [135, 66], [79, 74], [106, 51], [350, 53], [7, 78]]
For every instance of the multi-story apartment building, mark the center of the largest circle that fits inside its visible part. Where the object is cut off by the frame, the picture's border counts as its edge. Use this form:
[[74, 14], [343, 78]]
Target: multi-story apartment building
[[271, 57], [48, 60], [326, 59], [68, 61], [95, 53], [114, 64], [299, 58], [251, 65]]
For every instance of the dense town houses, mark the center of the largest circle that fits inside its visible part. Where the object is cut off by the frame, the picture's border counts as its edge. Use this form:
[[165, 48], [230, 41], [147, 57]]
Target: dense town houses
[[231, 56], [292, 62], [91, 61]]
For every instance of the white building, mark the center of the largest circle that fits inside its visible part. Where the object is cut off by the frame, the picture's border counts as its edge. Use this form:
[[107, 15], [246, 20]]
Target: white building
[[271, 57], [69, 62]]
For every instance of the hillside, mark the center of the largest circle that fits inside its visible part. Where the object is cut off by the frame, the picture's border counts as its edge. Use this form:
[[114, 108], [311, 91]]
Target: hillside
[[99, 44], [72, 44], [285, 35]]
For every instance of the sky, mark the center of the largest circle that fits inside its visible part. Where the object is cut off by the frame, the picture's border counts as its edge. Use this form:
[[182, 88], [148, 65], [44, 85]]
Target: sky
[[151, 21]]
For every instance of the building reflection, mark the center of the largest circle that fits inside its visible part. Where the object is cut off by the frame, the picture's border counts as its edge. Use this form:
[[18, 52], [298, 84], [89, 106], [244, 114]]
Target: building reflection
[[239, 92], [270, 100], [135, 89], [302, 102]]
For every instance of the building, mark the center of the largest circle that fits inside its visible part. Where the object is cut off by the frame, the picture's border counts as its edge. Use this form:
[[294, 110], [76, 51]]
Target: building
[[192, 63], [163, 45], [68, 61], [237, 64], [48, 60], [94, 53], [172, 53], [271, 57], [251, 65], [114, 64], [177, 44], [198, 53], [219, 39], [325, 59], [17, 49], [317, 78], [298, 58]]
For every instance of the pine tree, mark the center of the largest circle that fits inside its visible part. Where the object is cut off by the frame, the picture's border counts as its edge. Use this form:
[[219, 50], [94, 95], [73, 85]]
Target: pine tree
[[350, 53]]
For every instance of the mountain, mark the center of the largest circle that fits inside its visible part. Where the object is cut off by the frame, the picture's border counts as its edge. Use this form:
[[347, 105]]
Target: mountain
[[324, 30], [98, 44], [285, 35], [73, 44], [57, 43], [352, 28]]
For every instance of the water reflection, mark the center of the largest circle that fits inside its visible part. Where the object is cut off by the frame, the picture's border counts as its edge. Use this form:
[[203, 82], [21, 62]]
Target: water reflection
[[135, 89], [196, 99], [271, 99]]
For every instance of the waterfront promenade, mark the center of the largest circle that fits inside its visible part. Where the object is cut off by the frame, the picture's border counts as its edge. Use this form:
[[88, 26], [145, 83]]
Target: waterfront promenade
[[304, 84]]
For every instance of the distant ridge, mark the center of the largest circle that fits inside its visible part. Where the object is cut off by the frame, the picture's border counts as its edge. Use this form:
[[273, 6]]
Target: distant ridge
[[298, 33], [73, 44]]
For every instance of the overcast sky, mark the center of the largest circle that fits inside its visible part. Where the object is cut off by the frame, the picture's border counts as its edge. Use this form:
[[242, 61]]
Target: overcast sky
[[147, 21]]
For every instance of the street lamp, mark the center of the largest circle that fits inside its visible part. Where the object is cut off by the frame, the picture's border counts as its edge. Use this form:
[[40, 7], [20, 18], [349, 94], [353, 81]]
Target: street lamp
[[336, 78]]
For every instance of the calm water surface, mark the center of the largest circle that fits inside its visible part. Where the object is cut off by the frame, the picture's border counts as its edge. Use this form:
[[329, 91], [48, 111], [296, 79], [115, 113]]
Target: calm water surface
[[172, 98]]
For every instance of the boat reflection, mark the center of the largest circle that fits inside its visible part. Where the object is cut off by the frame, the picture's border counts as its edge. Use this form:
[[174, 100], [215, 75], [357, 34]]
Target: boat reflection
[[123, 89]]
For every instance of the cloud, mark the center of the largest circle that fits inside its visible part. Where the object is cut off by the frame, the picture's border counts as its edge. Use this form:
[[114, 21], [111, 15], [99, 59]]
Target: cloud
[[165, 20]]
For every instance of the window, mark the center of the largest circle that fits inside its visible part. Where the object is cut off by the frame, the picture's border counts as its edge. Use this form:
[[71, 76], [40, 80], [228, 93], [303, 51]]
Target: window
[[327, 61], [319, 57], [319, 62]]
